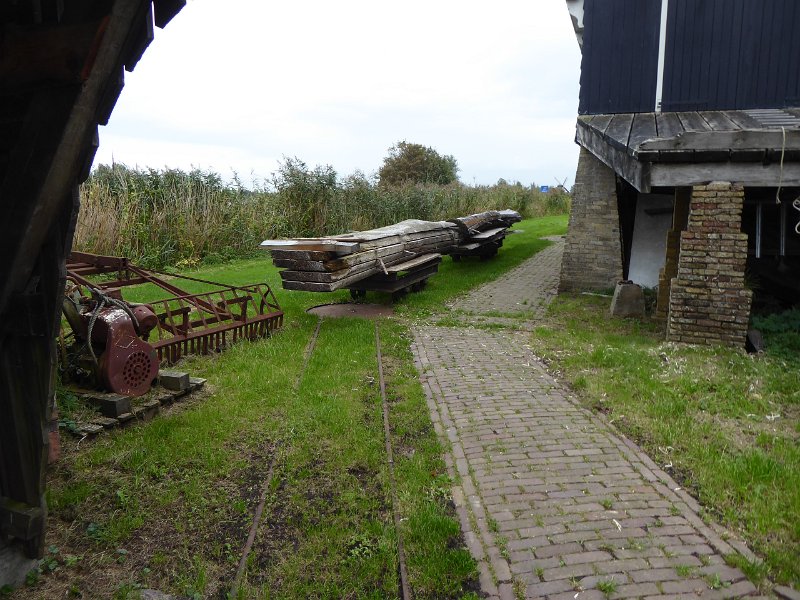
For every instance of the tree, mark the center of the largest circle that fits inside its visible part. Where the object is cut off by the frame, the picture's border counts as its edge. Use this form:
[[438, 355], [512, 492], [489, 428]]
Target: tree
[[417, 164]]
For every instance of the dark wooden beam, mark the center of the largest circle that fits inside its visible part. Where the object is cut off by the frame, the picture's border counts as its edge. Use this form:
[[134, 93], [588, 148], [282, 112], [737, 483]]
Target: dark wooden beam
[[35, 58], [25, 237]]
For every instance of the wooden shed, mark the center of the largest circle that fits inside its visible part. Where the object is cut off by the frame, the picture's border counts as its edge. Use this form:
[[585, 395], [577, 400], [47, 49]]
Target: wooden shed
[[689, 170], [62, 68]]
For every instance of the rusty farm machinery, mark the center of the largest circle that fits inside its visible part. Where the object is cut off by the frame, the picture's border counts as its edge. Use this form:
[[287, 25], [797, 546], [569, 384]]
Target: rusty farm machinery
[[110, 344]]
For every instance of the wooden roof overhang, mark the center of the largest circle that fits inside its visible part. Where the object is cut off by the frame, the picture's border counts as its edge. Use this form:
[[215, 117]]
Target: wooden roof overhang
[[674, 149], [62, 67]]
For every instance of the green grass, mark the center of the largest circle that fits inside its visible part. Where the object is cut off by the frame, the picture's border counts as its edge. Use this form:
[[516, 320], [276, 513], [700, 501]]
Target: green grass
[[168, 504], [709, 411]]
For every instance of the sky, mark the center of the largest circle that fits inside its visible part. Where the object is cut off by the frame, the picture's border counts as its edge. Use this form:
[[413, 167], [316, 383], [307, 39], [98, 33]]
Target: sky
[[240, 85]]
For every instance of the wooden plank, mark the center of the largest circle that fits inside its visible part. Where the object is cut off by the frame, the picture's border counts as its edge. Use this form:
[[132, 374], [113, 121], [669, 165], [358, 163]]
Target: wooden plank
[[718, 121], [403, 228], [365, 269], [692, 121], [414, 262], [741, 119], [597, 122], [642, 129], [668, 125], [302, 255], [489, 233], [618, 131], [318, 245], [741, 139]]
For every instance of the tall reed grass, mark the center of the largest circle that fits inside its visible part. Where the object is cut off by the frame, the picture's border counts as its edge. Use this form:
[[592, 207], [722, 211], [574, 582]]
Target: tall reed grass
[[172, 217]]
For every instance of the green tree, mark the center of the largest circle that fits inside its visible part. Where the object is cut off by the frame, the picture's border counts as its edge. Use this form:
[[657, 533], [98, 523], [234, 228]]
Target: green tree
[[417, 164]]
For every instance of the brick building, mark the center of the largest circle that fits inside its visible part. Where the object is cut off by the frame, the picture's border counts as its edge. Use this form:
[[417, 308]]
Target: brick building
[[689, 169]]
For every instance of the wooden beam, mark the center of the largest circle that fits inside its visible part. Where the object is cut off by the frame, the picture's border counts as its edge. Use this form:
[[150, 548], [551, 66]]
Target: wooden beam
[[25, 237], [627, 167], [743, 139], [747, 174]]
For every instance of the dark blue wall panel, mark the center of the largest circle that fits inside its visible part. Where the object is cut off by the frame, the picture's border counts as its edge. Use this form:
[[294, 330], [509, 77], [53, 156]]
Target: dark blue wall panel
[[732, 54], [720, 54], [620, 56]]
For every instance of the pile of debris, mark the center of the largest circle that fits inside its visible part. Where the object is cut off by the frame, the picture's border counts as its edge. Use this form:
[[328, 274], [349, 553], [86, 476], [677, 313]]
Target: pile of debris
[[342, 261]]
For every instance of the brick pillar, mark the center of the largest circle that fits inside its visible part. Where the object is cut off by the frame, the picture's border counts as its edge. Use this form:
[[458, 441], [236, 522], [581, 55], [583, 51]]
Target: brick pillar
[[708, 302], [593, 251], [680, 218]]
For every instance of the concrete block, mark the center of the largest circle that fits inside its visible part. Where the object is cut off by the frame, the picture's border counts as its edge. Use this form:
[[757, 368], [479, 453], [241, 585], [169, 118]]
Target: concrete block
[[174, 380], [196, 383], [90, 429], [126, 418], [628, 300], [105, 422], [110, 405]]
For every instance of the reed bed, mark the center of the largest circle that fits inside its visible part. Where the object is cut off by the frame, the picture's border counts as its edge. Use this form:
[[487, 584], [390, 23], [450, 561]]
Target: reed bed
[[171, 217]]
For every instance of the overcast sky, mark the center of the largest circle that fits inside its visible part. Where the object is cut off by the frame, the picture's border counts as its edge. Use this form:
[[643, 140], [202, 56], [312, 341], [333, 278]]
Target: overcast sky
[[237, 85]]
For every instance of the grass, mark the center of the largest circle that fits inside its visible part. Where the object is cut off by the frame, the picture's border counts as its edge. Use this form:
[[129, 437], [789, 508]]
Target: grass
[[169, 504], [710, 412]]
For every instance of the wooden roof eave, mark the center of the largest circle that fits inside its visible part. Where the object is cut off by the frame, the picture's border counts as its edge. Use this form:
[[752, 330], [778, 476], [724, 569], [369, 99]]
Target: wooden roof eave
[[748, 156]]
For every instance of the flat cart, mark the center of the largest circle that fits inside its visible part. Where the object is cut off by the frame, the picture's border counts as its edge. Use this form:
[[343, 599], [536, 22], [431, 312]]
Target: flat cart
[[399, 279], [484, 244]]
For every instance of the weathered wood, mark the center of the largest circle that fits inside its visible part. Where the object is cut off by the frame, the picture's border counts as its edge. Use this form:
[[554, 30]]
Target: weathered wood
[[60, 169], [668, 125], [692, 121], [642, 129], [748, 174], [618, 131], [414, 262], [488, 234], [630, 169], [302, 255], [366, 269], [741, 119], [317, 245], [742, 139], [598, 122], [718, 121]]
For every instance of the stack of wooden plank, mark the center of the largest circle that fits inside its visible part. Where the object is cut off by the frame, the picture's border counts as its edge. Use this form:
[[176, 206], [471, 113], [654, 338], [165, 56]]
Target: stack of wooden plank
[[336, 262], [482, 234], [331, 263]]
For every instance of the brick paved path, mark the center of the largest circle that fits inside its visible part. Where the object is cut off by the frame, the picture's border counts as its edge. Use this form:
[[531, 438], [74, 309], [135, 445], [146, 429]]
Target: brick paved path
[[513, 292], [554, 503]]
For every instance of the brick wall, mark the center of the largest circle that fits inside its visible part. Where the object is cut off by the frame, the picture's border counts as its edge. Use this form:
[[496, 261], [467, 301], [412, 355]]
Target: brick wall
[[708, 302], [592, 252]]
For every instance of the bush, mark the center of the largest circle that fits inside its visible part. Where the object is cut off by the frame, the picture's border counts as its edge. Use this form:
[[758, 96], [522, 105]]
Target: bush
[[415, 163], [781, 332]]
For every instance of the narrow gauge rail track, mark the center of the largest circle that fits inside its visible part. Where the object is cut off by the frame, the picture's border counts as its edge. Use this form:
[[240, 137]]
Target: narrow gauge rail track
[[404, 587]]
